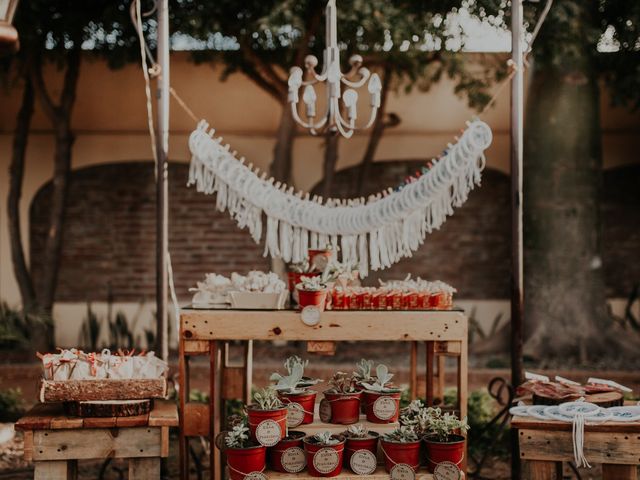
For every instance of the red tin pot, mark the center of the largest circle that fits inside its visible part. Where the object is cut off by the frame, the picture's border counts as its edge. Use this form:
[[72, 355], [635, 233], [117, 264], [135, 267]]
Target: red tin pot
[[381, 407], [324, 460], [397, 452], [452, 451], [261, 424], [313, 253], [345, 407], [295, 278], [306, 400], [288, 455], [316, 298], [243, 461], [352, 445]]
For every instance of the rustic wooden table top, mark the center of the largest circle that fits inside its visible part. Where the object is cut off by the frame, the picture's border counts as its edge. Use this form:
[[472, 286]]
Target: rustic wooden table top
[[50, 416], [532, 423]]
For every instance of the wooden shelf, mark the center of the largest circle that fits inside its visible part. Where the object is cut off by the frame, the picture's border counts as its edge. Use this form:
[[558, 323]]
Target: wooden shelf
[[379, 474]]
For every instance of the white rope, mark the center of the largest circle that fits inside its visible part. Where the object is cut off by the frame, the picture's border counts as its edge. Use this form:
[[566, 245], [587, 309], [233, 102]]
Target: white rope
[[374, 234], [578, 441]]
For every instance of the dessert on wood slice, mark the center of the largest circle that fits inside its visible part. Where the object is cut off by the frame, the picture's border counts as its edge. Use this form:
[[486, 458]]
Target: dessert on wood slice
[[603, 399], [108, 408]]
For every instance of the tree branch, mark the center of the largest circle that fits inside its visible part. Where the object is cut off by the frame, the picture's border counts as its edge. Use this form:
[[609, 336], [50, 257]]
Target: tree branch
[[314, 15], [68, 95], [40, 89], [263, 68], [262, 82]]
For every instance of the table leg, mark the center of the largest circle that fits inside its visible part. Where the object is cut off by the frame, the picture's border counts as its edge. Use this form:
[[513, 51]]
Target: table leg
[[430, 354], [619, 472], [413, 374], [183, 441], [541, 470], [215, 395], [439, 390], [144, 468], [56, 470]]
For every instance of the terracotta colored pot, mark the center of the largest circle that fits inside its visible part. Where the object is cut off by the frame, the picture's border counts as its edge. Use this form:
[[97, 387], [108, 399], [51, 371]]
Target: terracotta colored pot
[[320, 253], [321, 460], [352, 445], [396, 452], [288, 448], [452, 451], [294, 278], [262, 419], [242, 461], [317, 298], [345, 407], [306, 399], [382, 411]]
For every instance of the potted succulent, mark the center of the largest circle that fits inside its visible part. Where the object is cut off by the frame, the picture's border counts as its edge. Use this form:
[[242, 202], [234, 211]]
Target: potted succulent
[[293, 393], [296, 271], [401, 446], [312, 291], [344, 399], [319, 258], [363, 374], [444, 439], [324, 453], [360, 450], [381, 398], [244, 456], [267, 417], [288, 455]]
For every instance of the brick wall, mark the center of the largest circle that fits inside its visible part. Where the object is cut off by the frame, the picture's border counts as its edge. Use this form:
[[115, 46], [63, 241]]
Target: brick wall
[[110, 234]]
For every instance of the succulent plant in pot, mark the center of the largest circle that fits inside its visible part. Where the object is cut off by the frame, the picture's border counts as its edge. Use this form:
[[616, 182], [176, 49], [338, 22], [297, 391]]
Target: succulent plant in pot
[[361, 448], [401, 446], [293, 393], [324, 453], [381, 398], [296, 272], [288, 455], [312, 291], [444, 438], [319, 258], [244, 456], [343, 398], [267, 417]]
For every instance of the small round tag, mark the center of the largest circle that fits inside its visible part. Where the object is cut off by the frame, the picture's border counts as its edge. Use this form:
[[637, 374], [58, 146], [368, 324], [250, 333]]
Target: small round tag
[[295, 415], [255, 476], [363, 462], [447, 471], [293, 460], [268, 433], [402, 471], [326, 460], [385, 408], [310, 315], [324, 410]]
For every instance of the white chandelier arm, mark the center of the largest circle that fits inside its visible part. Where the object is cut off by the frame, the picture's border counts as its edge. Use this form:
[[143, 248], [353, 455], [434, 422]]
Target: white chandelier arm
[[351, 125], [314, 126], [359, 83]]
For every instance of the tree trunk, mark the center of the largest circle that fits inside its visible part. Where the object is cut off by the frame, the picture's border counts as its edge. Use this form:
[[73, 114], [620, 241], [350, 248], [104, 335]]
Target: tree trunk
[[565, 299], [16, 174], [380, 124], [330, 160], [283, 151]]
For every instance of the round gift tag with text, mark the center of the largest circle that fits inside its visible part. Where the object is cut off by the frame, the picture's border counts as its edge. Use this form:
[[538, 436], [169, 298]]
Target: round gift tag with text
[[402, 471], [325, 411], [384, 408], [295, 415], [310, 315], [363, 462], [255, 476], [293, 460], [326, 460], [447, 471], [268, 433]]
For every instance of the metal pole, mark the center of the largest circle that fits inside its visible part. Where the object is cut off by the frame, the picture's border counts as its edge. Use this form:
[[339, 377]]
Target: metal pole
[[162, 191], [517, 297]]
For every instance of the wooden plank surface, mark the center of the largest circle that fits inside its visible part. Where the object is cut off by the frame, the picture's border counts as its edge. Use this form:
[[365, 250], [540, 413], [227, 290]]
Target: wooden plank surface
[[39, 417], [354, 325], [532, 423], [599, 447], [56, 470], [96, 443], [163, 414], [619, 472], [103, 389], [379, 474]]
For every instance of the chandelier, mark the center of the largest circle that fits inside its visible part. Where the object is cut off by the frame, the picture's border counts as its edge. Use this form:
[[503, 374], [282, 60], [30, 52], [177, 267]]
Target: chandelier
[[333, 121]]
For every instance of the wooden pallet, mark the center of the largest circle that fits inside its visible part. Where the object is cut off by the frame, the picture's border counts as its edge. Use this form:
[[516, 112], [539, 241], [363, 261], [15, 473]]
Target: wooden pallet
[[208, 333]]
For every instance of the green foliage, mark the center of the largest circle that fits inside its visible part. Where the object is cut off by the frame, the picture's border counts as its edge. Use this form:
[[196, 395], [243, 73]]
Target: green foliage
[[237, 437], [382, 381], [363, 370], [441, 425], [267, 399], [18, 326], [11, 405], [325, 438], [342, 382], [402, 434], [357, 431]]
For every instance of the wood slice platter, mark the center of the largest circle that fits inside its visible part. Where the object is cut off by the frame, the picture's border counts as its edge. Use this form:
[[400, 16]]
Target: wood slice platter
[[604, 400], [102, 389], [108, 408]]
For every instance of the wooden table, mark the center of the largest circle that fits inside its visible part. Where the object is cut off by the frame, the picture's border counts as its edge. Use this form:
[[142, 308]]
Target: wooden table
[[208, 333], [545, 444], [55, 441]]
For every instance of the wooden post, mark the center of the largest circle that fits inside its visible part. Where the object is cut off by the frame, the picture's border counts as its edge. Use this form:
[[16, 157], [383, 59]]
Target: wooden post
[[183, 440], [413, 371], [429, 376], [55, 470], [162, 189]]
